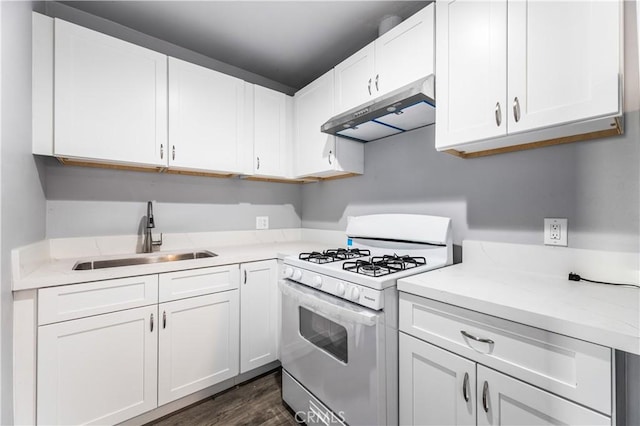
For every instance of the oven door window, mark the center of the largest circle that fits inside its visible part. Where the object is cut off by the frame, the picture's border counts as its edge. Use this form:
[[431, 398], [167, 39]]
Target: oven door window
[[324, 334]]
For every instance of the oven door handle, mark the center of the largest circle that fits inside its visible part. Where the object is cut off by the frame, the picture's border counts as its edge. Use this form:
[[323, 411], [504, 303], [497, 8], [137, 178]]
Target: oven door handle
[[327, 305]]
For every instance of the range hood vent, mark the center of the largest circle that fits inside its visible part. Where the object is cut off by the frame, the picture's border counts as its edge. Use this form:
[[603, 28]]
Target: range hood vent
[[407, 108]]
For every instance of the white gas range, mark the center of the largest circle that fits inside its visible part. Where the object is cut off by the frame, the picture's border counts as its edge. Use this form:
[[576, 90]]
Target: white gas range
[[339, 317]]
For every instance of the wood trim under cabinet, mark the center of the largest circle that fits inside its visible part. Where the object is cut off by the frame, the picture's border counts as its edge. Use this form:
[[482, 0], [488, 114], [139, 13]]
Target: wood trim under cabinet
[[84, 163], [202, 174], [155, 169], [614, 131]]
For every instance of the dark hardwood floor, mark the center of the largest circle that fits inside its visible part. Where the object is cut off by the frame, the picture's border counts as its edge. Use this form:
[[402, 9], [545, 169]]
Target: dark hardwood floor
[[257, 402]]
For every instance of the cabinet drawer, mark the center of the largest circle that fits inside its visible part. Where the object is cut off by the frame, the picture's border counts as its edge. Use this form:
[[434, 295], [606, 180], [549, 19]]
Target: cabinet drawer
[[572, 368], [196, 282], [82, 300]]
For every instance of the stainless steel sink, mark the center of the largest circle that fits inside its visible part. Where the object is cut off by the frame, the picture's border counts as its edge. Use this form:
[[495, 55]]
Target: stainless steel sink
[[141, 260]]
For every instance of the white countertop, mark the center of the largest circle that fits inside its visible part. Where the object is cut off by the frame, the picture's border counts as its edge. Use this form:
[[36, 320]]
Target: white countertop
[[541, 297], [36, 266]]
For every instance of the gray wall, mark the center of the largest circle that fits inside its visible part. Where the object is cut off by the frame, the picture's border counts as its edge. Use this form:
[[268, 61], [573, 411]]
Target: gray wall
[[91, 202], [499, 198], [22, 203]]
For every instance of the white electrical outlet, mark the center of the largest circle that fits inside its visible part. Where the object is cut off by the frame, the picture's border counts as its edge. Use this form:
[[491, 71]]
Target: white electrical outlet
[[555, 231], [262, 222]]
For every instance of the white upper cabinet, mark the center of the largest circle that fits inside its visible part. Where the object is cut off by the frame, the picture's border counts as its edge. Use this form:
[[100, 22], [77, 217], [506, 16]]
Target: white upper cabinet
[[471, 89], [398, 57], [206, 119], [563, 62], [110, 98], [405, 53], [272, 121], [354, 84], [528, 70], [317, 153]]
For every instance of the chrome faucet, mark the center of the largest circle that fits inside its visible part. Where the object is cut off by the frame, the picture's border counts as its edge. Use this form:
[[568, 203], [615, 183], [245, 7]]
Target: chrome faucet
[[149, 242]]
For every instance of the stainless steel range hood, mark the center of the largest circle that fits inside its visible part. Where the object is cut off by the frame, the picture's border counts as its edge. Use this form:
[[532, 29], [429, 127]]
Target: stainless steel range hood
[[405, 109]]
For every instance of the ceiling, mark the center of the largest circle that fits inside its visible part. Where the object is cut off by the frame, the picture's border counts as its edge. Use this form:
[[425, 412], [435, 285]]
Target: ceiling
[[290, 42]]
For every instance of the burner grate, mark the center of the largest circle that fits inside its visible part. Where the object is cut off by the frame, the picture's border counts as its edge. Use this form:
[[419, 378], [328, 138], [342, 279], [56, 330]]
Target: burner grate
[[333, 255], [383, 265]]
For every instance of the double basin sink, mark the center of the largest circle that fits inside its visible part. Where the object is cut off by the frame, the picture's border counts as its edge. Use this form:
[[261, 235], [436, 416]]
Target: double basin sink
[[141, 260]]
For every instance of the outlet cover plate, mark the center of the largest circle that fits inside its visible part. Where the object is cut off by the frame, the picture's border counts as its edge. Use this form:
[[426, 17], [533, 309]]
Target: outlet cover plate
[[262, 222], [556, 230]]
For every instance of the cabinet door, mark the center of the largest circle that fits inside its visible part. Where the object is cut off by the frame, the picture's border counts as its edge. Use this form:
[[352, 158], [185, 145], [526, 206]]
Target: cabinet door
[[406, 52], [563, 62], [98, 370], [198, 344], [436, 387], [471, 67], [110, 98], [259, 309], [313, 107], [503, 400], [270, 132], [354, 80], [206, 110]]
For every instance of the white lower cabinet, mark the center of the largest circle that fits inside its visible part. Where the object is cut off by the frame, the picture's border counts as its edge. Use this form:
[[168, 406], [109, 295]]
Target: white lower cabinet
[[507, 401], [258, 314], [98, 370], [436, 387], [198, 344], [452, 360], [97, 367]]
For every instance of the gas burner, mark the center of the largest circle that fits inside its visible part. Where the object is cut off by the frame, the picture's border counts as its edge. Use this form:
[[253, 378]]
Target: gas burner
[[333, 255], [402, 262], [383, 265], [344, 254], [317, 257]]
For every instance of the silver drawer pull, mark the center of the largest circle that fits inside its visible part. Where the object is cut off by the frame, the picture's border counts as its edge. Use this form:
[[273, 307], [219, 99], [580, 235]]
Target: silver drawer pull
[[485, 392], [477, 339], [498, 113], [516, 109], [465, 387]]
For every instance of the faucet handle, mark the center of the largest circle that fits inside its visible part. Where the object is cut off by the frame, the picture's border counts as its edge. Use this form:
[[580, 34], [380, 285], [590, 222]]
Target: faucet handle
[[156, 242]]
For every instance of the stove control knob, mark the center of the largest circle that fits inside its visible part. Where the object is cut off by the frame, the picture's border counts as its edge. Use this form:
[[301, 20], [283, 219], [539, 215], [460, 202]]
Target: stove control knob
[[340, 289], [288, 272], [355, 293], [317, 281], [297, 274]]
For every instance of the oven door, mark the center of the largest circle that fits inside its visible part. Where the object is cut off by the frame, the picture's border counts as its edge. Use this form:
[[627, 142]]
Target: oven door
[[335, 349]]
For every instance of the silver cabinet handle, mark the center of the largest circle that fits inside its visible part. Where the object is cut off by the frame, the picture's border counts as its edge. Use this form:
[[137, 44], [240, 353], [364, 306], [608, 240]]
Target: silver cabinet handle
[[173, 152], [151, 325], [161, 151], [369, 87], [258, 167], [465, 387], [477, 339], [245, 276], [377, 78], [164, 319], [485, 399], [330, 152], [498, 114], [516, 109]]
